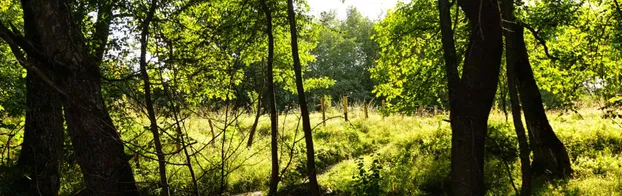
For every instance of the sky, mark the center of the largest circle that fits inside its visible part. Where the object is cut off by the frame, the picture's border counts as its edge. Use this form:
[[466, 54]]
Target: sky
[[373, 9]]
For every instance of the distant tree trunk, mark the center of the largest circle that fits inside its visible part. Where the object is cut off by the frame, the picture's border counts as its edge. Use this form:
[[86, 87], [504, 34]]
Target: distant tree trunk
[[472, 96], [512, 61], [306, 124], [274, 177], [251, 135], [153, 126], [99, 150], [550, 155]]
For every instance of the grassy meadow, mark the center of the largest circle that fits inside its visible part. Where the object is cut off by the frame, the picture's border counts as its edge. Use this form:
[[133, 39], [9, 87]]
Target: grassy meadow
[[392, 155]]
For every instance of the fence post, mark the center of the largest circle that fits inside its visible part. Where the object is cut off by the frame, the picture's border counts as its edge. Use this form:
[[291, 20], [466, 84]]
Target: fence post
[[435, 110], [345, 107], [365, 109], [323, 105]]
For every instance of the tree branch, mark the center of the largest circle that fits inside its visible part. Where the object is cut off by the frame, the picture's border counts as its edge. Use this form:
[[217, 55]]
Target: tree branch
[[541, 41], [12, 40]]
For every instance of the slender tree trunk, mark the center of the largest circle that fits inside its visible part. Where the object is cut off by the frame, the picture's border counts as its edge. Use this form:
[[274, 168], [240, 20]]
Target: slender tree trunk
[[512, 61], [306, 124], [251, 135], [523, 145], [153, 126], [550, 156], [471, 96], [99, 150], [274, 177]]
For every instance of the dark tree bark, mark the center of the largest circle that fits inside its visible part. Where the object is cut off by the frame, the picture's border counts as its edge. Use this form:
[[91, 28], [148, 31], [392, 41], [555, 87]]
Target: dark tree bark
[[99, 150], [512, 61], [42, 148], [274, 176], [39, 159], [153, 126], [306, 124], [472, 96], [550, 156]]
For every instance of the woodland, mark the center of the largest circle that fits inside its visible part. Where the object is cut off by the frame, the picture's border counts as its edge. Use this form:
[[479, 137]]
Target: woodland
[[265, 97]]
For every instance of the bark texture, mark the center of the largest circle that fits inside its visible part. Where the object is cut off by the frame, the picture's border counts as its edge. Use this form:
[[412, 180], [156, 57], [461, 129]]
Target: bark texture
[[42, 148], [472, 95], [304, 110], [99, 150]]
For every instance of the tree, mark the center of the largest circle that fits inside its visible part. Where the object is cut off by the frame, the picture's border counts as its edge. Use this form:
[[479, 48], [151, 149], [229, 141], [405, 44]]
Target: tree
[[345, 53], [306, 124], [472, 95], [153, 126], [511, 62], [274, 122], [96, 142]]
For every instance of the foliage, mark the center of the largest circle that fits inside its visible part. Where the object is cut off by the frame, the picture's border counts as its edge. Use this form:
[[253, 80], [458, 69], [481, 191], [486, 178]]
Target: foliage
[[367, 182], [345, 54], [409, 69]]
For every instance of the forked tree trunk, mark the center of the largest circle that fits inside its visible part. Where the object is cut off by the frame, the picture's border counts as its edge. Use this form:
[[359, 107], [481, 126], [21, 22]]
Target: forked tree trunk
[[472, 96], [274, 176], [306, 124], [550, 156], [512, 61], [99, 150]]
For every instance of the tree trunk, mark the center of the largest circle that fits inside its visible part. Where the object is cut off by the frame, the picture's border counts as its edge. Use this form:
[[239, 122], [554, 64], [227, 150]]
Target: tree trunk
[[153, 126], [306, 124], [42, 148], [99, 150], [512, 61], [472, 96], [274, 177], [550, 155]]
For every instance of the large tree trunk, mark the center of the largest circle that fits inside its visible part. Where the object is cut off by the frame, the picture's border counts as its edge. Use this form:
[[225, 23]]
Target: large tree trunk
[[550, 155], [99, 150], [306, 124], [274, 122], [512, 61], [42, 148], [40, 157], [472, 96]]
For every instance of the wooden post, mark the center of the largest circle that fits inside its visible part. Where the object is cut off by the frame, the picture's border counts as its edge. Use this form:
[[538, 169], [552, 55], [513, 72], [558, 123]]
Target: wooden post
[[345, 107], [365, 109], [323, 105], [435, 110]]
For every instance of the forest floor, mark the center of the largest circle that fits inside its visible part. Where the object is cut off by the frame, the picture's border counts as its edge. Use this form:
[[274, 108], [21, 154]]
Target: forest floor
[[392, 155]]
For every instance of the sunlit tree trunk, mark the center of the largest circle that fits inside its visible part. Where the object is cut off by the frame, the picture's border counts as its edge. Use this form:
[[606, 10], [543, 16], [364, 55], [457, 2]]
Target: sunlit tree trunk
[[306, 124]]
